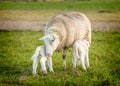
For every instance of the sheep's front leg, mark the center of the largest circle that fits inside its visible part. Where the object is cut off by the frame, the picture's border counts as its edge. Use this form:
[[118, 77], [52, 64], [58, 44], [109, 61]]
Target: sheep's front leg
[[50, 64], [43, 66], [64, 58], [35, 63]]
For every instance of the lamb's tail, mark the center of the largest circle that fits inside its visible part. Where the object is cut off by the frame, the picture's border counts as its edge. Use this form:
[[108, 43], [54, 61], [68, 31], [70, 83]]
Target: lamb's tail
[[35, 56]]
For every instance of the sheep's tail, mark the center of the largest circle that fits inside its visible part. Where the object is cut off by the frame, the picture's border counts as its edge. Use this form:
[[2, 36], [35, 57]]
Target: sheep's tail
[[88, 34], [35, 56]]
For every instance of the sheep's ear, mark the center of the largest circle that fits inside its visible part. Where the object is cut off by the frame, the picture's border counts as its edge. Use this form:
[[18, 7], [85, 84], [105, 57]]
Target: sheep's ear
[[54, 36]]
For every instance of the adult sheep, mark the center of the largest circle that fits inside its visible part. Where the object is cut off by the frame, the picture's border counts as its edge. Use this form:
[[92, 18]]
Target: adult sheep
[[63, 30]]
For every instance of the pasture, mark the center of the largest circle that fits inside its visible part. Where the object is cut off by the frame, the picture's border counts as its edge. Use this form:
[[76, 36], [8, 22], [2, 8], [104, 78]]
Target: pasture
[[17, 47], [83, 5]]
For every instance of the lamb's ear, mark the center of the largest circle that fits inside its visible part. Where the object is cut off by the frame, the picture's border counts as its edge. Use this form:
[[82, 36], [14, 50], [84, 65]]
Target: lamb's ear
[[54, 36], [42, 38]]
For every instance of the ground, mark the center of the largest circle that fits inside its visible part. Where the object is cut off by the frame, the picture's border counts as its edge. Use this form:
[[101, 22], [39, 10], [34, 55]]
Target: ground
[[36, 20]]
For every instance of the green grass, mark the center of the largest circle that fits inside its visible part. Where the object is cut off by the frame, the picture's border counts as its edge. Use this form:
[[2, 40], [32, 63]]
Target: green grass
[[17, 47], [84, 5]]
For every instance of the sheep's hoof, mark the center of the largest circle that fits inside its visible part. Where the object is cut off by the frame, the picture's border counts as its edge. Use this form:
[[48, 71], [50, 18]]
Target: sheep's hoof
[[45, 72], [74, 72]]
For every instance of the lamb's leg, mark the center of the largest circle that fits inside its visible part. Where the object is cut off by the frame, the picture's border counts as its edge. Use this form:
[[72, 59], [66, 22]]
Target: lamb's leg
[[35, 63], [74, 58], [43, 66], [50, 64], [64, 57], [87, 59], [35, 60], [83, 60]]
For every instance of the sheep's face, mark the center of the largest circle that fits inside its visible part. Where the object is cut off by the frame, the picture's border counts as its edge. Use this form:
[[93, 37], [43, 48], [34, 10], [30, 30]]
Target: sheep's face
[[50, 44]]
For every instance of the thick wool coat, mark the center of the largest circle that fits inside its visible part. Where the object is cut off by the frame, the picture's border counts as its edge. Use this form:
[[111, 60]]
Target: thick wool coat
[[69, 27]]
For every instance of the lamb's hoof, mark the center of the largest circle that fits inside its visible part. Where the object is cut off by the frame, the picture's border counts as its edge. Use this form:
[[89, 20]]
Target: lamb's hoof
[[64, 68], [84, 70], [52, 71], [33, 73]]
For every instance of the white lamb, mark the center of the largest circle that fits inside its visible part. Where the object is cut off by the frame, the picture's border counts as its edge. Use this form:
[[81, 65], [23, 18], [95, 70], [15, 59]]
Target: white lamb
[[80, 53], [40, 51]]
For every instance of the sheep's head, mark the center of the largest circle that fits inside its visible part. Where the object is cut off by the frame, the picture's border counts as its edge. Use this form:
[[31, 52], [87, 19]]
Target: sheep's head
[[51, 43]]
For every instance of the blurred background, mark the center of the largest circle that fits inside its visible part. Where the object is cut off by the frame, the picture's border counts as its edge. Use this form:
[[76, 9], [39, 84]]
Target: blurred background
[[34, 14]]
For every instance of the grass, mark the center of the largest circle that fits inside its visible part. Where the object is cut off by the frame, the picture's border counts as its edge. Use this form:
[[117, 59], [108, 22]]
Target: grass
[[44, 16], [17, 47], [83, 5]]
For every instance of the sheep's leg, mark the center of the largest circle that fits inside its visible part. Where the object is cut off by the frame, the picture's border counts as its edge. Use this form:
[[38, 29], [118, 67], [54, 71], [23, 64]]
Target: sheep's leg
[[35, 63], [83, 60], [64, 58], [50, 64], [43, 66]]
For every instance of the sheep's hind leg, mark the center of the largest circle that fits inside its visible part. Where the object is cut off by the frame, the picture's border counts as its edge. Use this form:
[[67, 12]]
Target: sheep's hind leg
[[64, 58]]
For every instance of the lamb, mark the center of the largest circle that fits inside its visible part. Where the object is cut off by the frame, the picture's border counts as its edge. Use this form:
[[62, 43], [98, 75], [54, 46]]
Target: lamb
[[80, 53], [40, 51], [63, 30]]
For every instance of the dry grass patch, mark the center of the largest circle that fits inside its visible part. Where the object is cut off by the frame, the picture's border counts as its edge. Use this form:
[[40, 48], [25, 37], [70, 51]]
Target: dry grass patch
[[36, 20], [44, 15]]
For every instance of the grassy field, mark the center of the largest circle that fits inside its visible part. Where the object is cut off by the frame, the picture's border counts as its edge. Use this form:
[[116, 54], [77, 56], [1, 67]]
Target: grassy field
[[83, 5], [17, 47]]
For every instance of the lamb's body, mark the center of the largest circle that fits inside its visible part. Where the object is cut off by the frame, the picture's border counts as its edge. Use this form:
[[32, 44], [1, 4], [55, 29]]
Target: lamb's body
[[40, 51], [80, 53]]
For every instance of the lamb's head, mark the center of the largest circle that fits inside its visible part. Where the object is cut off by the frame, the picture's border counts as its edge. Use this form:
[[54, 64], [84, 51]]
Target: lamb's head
[[51, 43]]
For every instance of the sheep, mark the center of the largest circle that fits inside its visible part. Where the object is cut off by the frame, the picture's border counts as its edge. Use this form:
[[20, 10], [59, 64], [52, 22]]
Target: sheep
[[40, 51], [80, 53], [63, 30]]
